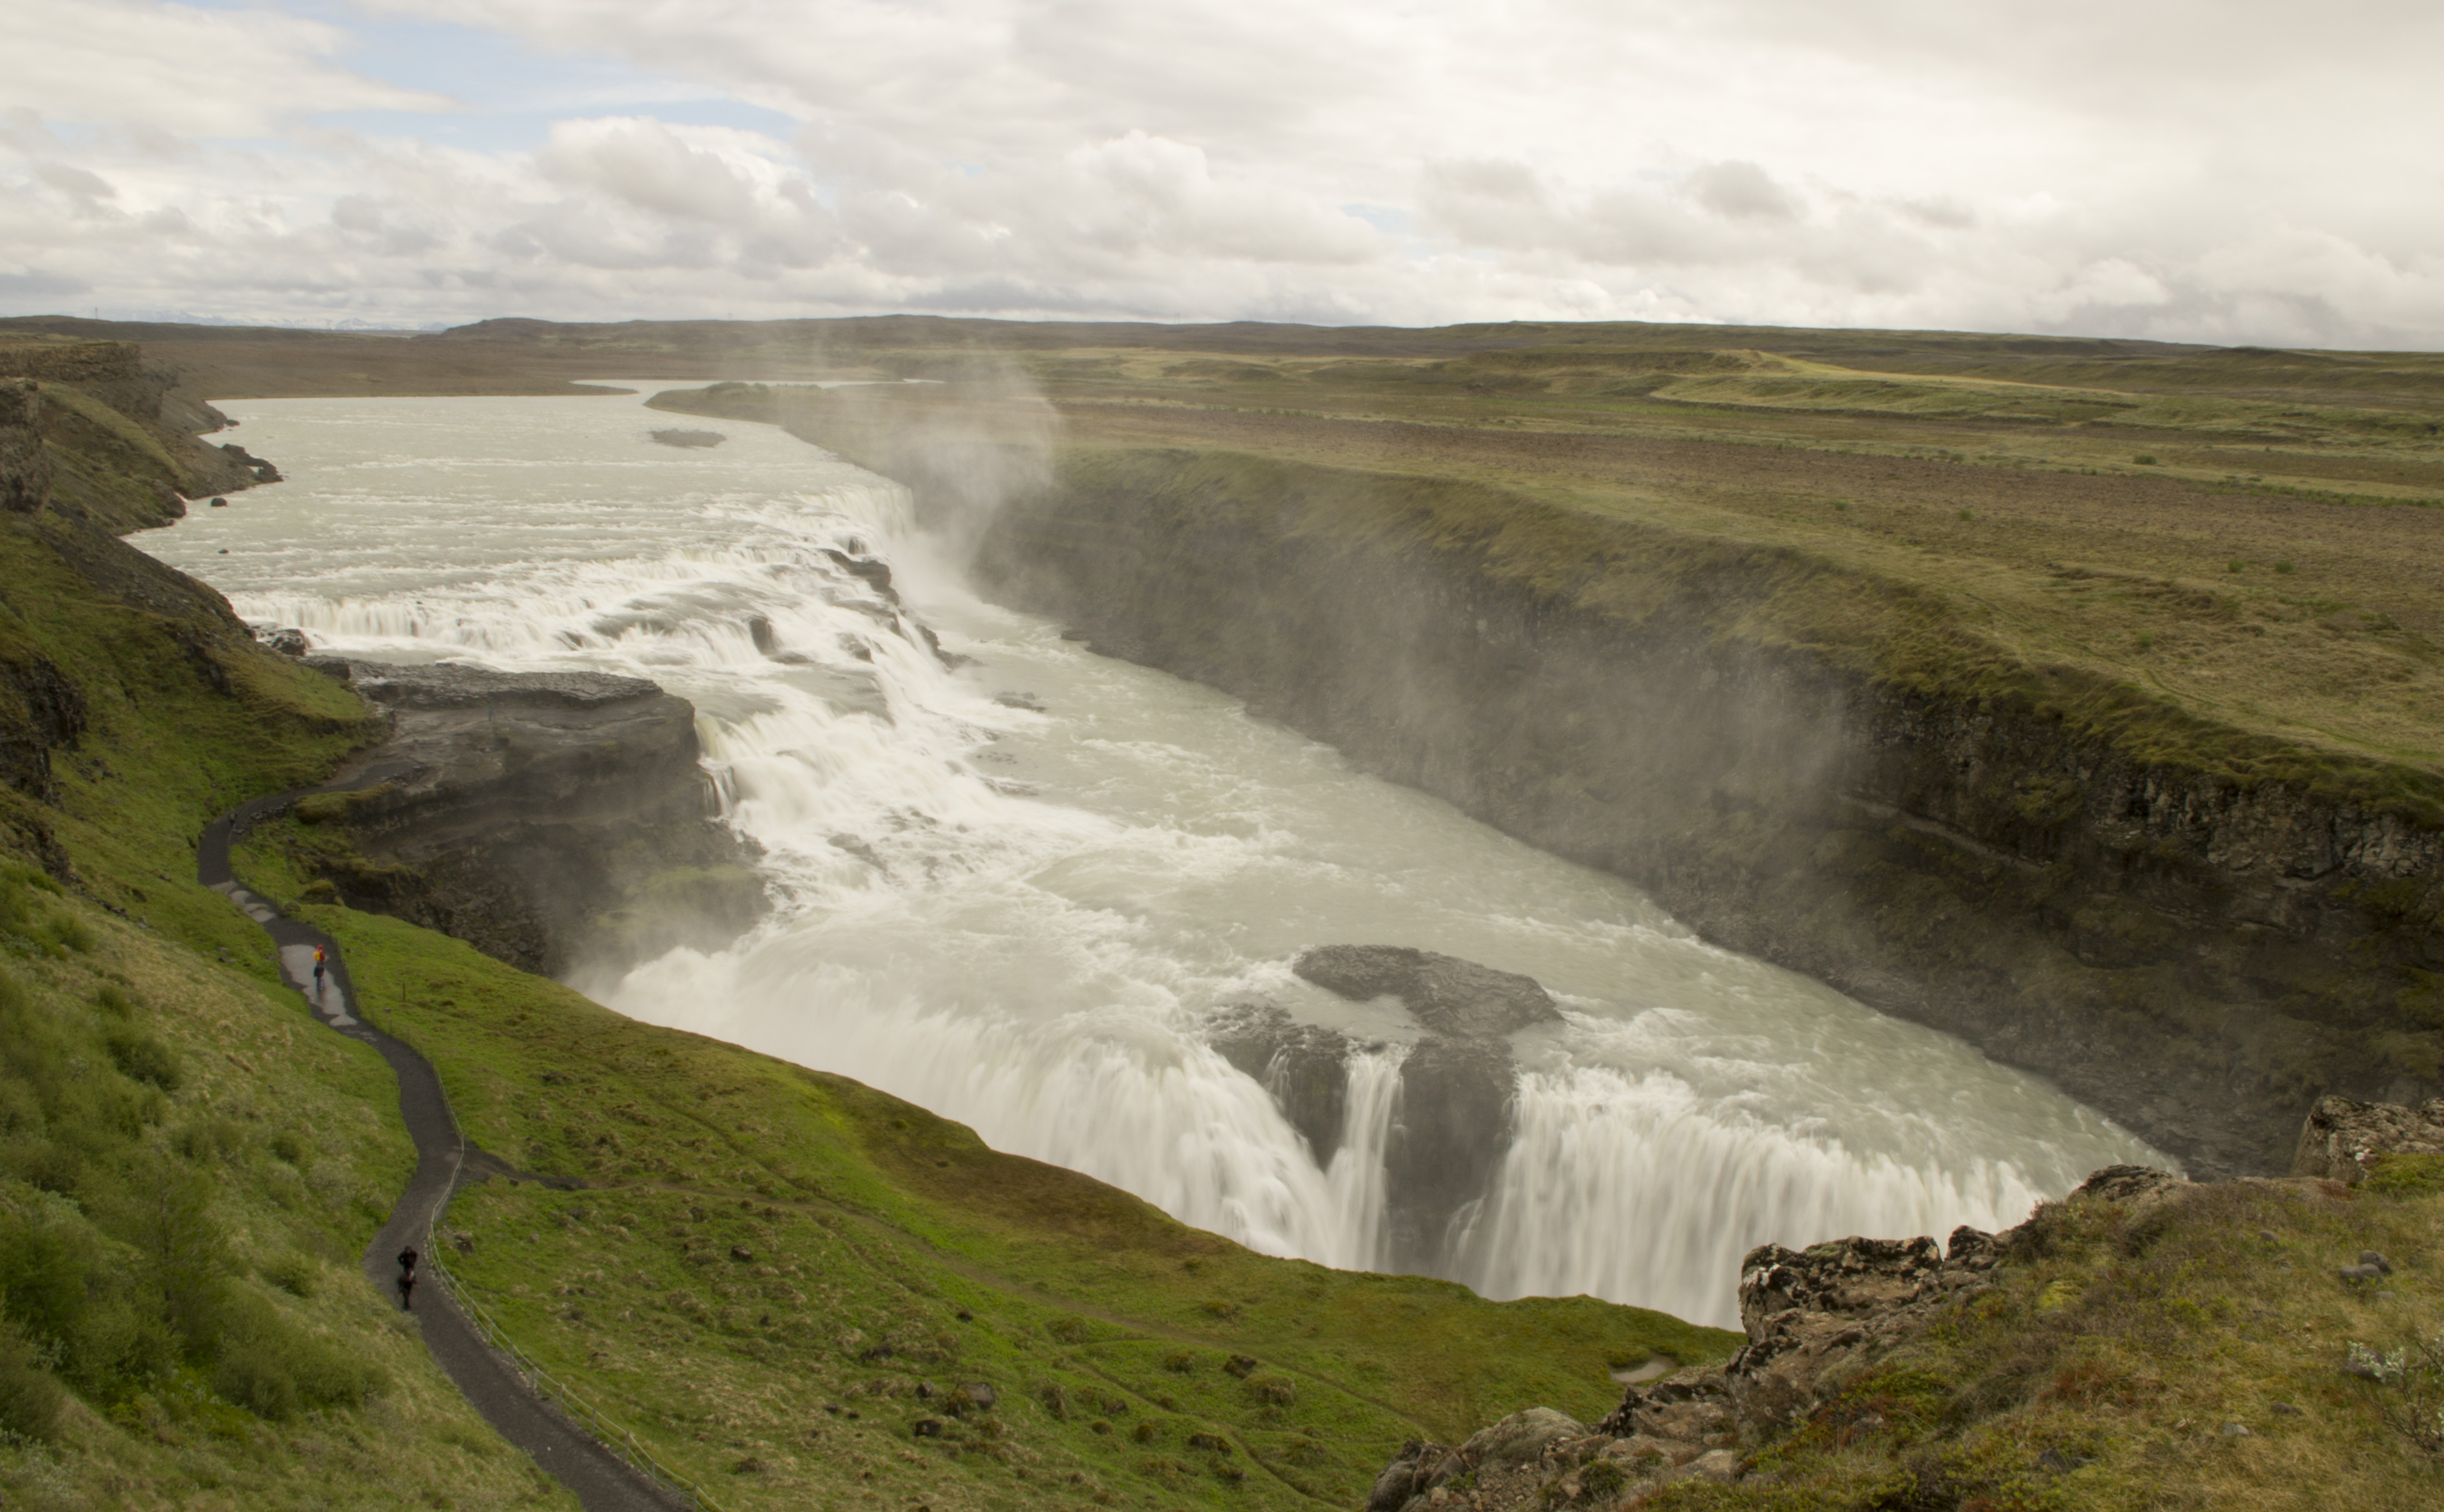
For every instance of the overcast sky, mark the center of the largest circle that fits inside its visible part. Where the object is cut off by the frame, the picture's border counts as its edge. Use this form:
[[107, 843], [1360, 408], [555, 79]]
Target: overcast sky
[[2231, 171]]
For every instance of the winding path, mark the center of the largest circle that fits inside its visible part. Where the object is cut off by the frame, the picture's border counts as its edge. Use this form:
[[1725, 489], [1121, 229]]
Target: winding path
[[601, 1479]]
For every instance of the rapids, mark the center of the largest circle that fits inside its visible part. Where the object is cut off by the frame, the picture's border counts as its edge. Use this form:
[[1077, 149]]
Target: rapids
[[1019, 918]]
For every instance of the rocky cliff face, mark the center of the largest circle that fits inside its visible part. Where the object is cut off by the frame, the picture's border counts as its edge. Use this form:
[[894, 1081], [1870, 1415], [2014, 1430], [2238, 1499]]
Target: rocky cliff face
[[2198, 956], [91, 429], [550, 820]]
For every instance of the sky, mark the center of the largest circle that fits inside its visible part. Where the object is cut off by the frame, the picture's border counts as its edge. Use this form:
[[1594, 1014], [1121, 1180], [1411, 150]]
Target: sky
[[2238, 172]]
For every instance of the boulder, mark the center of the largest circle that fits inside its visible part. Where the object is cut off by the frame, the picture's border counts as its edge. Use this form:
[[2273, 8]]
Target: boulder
[[1448, 995], [1305, 1067], [1450, 1130], [2342, 1137], [1520, 1439]]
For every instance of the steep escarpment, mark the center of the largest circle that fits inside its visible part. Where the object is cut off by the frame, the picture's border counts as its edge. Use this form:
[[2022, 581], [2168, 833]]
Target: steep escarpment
[[96, 432], [2195, 930], [549, 819]]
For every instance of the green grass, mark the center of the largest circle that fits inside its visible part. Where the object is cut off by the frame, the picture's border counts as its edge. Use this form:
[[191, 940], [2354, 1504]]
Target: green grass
[[189, 1168], [2123, 1342], [866, 1223]]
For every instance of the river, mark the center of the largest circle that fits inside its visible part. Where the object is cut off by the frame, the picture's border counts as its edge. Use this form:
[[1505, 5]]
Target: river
[[1020, 917]]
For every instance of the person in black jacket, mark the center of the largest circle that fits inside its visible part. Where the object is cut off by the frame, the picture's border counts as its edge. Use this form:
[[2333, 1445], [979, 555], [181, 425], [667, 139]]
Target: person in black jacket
[[407, 1279]]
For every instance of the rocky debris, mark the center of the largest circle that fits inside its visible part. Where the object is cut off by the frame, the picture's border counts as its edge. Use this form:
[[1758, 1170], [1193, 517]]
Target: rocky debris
[[264, 471], [1305, 1067], [546, 818], [1813, 1317], [1447, 995], [285, 639], [1027, 701], [2342, 1136], [872, 573], [1816, 1320]]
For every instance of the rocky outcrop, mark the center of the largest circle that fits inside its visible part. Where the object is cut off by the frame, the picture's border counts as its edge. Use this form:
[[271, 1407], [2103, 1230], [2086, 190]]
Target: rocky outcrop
[[1304, 1066], [1453, 1120], [552, 820], [25, 467], [1447, 995], [2342, 1139], [89, 429], [1817, 1320], [2188, 950]]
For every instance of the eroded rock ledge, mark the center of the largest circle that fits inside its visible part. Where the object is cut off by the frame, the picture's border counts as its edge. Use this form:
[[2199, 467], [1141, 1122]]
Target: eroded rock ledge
[[552, 820]]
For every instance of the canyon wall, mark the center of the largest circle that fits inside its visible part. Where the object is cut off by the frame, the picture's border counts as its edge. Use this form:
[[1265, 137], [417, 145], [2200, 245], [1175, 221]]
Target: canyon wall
[[2197, 954]]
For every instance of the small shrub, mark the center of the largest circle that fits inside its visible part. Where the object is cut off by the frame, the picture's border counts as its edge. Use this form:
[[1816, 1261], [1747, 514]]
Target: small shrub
[[2234, 565], [1179, 1362], [1602, 1480], [141, 1057], [2283, 566], [295, 1274], [1068, 1330], [114, 1003], [69, 932], [2145, 459], [1841, 504], [1276, 1390], [289, 1148], [2146, 639], [30, 1399], [1966, 515], [2406, 1386], [1145, 1432], [1055, 1400]]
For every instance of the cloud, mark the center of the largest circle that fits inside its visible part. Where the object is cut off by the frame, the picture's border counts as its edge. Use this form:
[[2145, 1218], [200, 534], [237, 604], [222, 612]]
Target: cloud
[[39, 284], [2179, 170], [133, 65]]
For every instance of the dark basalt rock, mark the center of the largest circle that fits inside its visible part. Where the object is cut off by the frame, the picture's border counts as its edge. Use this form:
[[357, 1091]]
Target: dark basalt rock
[[1303, 1066], [1449, 1134], [690, 438], [1447, 995], [1456, 1115], [549, 819]]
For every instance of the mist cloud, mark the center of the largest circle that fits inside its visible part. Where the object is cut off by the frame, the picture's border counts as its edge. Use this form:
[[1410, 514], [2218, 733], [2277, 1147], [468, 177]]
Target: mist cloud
[[2246, 170]]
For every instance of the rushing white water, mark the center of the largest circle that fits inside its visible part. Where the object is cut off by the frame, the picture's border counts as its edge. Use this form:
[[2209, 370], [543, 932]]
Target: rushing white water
[[1020, 918]]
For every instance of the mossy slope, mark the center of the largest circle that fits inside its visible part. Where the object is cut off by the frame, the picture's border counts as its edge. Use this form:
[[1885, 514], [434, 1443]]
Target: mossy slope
[[761, 1250]]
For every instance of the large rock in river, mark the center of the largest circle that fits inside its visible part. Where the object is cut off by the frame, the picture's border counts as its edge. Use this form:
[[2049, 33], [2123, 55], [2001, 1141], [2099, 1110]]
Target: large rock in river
[[1447, 995], [1304, 1066], [550, 820], [1456, 1115]]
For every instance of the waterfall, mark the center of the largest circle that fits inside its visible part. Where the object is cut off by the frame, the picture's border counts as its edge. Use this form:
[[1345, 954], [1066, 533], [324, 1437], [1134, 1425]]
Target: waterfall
[[1014, 880]]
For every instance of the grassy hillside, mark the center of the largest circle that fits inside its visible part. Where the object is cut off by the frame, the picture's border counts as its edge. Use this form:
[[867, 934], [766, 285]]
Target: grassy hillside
[[777, 1276], [189, 1164]]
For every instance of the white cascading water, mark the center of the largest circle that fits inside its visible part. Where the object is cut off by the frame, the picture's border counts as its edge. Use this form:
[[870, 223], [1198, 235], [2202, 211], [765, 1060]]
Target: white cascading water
[[1021, 918]]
